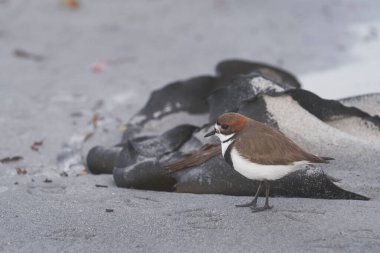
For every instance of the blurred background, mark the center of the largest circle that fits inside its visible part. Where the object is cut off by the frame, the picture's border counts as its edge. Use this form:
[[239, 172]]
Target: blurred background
[[61, 60], [73, 71]]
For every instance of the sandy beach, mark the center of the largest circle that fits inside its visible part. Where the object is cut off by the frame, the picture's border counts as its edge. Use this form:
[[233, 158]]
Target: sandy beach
[[61, 67]]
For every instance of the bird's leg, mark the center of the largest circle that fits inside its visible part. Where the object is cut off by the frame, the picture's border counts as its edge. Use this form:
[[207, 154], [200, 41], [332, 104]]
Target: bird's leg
[[253, 203], [266, 205]]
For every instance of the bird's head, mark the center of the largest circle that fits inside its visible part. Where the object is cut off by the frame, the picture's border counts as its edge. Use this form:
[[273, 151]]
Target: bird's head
[[228, 124]]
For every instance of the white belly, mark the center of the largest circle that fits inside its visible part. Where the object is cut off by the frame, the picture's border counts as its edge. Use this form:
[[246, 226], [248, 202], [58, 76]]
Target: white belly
[[261, 172]]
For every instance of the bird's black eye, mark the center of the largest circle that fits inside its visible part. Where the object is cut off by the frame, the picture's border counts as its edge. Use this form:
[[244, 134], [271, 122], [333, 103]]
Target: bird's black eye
[[224, 127]]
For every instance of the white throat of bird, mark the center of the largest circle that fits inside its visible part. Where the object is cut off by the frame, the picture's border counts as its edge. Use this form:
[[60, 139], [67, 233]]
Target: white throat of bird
[[226, 140]]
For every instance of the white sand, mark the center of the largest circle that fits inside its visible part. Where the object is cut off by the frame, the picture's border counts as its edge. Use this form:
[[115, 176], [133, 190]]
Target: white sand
[[163, 41]]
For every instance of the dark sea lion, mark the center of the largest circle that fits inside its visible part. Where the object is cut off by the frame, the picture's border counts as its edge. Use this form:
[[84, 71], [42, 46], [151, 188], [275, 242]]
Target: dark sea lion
[[229, 69], [369, 103], [186, 102], [241, 88], [156, 140], [216, 176]]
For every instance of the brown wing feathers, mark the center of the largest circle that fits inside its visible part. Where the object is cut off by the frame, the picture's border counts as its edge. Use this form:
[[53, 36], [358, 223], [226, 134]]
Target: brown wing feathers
[[269, 146]]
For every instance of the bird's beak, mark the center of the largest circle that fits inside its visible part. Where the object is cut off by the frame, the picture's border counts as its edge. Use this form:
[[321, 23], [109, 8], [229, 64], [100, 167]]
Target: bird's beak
[[211, 133]]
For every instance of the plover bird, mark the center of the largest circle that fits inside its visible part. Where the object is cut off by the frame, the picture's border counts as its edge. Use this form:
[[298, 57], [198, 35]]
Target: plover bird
[[259, 152]]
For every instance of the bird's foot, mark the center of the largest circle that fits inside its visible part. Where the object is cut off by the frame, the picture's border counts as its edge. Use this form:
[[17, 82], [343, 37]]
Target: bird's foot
[[255, 209], [251, 204]]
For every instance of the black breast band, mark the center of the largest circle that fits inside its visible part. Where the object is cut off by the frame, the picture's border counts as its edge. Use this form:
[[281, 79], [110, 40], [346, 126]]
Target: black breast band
[[231, 138], [227, 155]]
